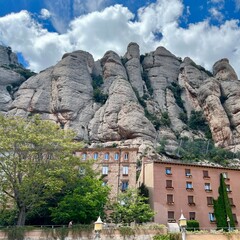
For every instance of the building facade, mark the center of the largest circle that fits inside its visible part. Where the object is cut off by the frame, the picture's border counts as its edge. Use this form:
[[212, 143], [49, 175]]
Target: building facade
[[175, 187], [116, 165]]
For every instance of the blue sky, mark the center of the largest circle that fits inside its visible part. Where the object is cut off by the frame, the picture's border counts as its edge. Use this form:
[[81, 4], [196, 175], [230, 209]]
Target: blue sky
[[43, 30]]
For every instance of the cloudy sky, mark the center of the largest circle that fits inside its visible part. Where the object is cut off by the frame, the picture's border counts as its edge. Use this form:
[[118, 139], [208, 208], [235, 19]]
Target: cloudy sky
[[41, 31]]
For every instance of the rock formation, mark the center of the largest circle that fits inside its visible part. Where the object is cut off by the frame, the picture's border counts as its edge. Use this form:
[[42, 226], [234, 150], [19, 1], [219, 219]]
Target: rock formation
[[134, 100]]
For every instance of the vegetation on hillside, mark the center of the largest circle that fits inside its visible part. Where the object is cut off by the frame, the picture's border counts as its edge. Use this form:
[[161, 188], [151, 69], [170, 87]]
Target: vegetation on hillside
[[98, 95]]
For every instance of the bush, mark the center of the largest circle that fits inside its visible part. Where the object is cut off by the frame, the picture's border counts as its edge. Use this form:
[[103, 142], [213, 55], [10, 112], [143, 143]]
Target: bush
[[177, 90], [153, 119], [192, 225], [169, 236], [98, 96], [165, 120]]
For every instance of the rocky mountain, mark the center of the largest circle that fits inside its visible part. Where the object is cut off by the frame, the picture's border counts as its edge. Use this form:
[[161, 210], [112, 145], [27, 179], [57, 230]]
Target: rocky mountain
[[135, 100]]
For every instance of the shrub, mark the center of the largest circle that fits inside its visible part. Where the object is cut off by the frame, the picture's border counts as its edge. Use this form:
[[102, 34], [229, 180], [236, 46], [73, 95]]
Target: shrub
[[165, 120], [98, 96], [177, 90], [153, 119], [192, 225]]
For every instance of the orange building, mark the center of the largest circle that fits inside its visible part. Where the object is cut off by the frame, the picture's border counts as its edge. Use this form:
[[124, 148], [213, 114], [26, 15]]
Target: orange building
[[117, 166], [175, 186]]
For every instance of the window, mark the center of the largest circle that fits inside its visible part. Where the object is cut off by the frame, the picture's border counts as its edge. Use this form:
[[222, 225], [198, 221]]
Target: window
[[225, 175], [171, 216], [211, 217], [116, 156], [106, 156], [207, 187], [205, 174], [84, 156], [191, 200], [126, 156], [170, 199], [168, 171], [124, 185], [188, 173], [105, 170], [169, 184], [235, 218], [104, 183], [228, 188], [209, 201], [231, 202], [125, 170], [192, 215], [189, 185], [95, 156]]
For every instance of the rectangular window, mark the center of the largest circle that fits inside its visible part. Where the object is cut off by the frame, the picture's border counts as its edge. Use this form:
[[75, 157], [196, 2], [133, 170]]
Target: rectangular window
[[169, 184], [95, 156], [191, 200], [207, 187], [189, 185], [105, 170], [192, 215], [225, 175], [125, 170], [124, 185], [168, 171], [169, 198], [170, 216], [228, 188], [106, 156], [188, 173], [209, 201], [116, 156], [126, 156], [205, 174], [231, 202], [84, 156], [104, 183], [211, 217], [235, 218]]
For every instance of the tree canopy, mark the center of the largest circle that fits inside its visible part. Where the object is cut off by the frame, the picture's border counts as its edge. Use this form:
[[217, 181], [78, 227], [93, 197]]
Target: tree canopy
[[131, 207], [36, 162]]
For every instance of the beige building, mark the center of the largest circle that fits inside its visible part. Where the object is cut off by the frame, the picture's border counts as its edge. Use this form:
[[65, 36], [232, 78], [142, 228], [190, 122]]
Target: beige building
[[175, 186], [117, 166]]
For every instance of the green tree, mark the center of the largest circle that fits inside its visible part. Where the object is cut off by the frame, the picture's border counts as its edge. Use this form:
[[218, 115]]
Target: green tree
[[83, 204], [131, 207], [36, 161], [222, 207]]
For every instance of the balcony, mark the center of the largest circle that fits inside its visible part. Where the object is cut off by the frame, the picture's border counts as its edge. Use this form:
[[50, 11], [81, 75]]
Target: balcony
[[189, 189], [192, 204], [208, 190], [170, 203], [169, 188]]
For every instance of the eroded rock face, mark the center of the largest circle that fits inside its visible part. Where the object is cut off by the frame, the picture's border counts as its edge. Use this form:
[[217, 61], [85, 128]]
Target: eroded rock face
[[134, 68], [138, 92], [7, 57], [222, 70]]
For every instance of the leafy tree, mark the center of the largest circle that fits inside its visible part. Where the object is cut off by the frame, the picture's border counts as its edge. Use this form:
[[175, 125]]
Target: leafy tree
[[222, 207], [83, 204], [131, 207], [36, 161]]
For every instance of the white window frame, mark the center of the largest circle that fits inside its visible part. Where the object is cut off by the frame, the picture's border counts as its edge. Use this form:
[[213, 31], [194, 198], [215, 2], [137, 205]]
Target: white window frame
[[125, 170], [207, 186], [189, 185], [126, 156], [211, 217], [105, 170]]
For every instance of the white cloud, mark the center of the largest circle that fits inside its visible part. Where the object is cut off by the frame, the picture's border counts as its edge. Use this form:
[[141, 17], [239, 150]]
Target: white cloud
[[113, 28], [45, 14], [216, 14]]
